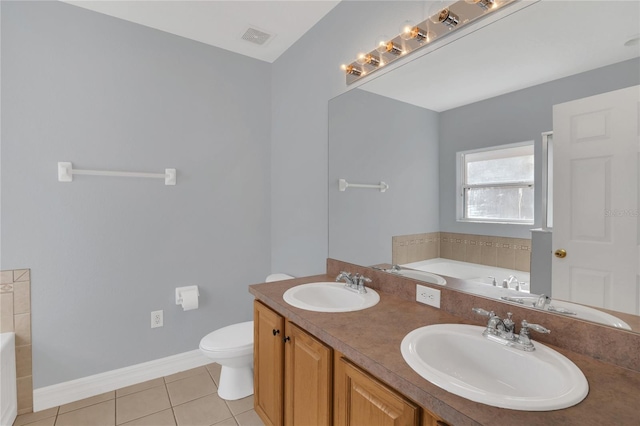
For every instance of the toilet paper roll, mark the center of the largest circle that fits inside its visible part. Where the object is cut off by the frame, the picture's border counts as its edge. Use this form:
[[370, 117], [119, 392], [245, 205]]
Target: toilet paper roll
[[189, 299]]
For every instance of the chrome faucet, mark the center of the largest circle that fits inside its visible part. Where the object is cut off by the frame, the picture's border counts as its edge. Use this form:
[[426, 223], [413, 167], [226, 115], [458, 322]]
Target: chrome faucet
[[353, 283], [503, 331], [346, 276], [542, 301], [507, 283]]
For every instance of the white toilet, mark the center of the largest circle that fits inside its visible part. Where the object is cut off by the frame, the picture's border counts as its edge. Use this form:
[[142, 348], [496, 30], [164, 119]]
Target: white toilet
[[232, 348]]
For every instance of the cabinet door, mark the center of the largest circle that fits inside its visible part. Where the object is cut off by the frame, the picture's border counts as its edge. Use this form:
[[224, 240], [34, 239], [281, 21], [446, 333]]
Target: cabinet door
[[360, 400], [268, 364], [430, 419], [308, 379]]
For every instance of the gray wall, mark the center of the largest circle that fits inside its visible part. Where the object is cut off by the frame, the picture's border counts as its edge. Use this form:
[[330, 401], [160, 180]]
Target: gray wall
[[108, 94], [373, 138], [305, 77], [514, 117]]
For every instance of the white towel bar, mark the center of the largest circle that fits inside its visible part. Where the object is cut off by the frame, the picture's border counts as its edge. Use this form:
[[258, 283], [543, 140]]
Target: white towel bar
[[343, 185], [66, 172]]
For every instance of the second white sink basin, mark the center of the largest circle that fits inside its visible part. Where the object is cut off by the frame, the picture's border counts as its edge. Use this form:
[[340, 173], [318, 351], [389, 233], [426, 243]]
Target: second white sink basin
[[591, 314], [459, 359], [329, 297]]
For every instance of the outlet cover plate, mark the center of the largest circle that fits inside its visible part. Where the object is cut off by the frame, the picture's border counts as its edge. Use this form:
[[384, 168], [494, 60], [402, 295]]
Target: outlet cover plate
[[157, 319], [428, 296]]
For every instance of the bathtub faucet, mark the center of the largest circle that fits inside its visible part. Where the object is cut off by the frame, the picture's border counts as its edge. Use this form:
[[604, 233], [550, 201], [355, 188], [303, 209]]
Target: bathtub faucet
[[507, 283]]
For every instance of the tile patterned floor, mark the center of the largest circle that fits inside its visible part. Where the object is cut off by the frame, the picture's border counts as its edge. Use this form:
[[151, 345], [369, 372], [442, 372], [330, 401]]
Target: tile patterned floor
[[188, 398]]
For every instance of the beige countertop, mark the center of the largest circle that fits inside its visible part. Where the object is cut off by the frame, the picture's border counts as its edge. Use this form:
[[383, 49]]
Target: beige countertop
[[371, 338]]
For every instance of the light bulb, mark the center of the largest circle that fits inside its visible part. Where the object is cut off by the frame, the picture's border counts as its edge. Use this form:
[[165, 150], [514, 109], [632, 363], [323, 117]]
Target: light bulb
[[422, 36], [350, 69], [369, 59], [439, 11], [445, 16], [381, 43], [485, 4], [394, 49], [406, 29], [373, 60]]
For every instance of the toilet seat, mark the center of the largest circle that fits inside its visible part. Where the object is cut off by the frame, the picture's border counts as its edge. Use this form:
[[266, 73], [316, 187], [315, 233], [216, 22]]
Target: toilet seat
[[233, 340]]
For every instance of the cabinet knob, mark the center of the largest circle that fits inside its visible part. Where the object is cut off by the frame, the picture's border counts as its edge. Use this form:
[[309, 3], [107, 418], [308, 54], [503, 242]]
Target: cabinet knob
[[276, 331], [286, 339]]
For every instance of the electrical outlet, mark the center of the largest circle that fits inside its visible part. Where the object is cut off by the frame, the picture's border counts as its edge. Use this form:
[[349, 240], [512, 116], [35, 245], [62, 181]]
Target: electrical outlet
[[157, 319], [428, 296]]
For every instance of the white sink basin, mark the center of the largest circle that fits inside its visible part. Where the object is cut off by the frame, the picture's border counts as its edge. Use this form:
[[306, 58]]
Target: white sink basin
[[590, 314], [573, 310], [422, 276], [457, 358], [329, 297]]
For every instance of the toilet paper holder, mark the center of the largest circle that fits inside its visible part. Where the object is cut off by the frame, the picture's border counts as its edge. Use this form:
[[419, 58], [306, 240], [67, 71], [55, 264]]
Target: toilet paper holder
[[183, 293]]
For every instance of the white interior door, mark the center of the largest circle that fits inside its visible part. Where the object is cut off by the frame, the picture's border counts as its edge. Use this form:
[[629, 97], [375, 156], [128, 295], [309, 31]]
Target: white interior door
[[595, 196]]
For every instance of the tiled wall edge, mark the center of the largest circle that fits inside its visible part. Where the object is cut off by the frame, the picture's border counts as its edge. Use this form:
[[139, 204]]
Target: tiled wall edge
[[15, 315]]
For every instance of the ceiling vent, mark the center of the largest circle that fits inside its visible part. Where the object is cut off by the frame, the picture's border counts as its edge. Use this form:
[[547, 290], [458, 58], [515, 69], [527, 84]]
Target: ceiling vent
[[255, 36]]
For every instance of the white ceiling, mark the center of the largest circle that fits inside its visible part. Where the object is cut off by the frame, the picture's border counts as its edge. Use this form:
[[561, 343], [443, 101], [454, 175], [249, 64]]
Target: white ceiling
[[222, 23], [545, 41]]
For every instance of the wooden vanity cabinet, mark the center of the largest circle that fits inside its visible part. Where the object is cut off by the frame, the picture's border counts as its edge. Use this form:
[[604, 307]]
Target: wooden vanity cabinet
[[293, 372], [268, 365], [360, 399], [300, 381], [308, 375]]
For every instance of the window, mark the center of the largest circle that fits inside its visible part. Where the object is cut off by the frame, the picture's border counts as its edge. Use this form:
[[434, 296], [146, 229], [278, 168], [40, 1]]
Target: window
[[496, 184]]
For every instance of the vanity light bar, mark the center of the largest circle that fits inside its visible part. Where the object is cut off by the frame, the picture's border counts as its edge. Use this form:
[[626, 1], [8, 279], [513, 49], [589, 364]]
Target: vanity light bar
[[439, 25]]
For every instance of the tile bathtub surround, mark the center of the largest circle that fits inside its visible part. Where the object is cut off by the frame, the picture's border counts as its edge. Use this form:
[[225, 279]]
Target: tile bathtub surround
[[183, 399], [415, 247], [616, 346], [503, 252], [15, 315]]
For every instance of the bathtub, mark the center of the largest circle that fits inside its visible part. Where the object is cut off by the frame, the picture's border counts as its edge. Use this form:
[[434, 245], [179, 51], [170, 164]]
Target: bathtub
[[8, 397], [470, 271]]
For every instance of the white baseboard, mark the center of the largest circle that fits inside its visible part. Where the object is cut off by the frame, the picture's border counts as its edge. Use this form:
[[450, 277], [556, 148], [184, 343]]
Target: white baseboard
[[85, 387]]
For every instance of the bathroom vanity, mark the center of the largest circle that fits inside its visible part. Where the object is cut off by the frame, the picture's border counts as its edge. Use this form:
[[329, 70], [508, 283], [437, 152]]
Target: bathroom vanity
[[352, 370], [288, 359]]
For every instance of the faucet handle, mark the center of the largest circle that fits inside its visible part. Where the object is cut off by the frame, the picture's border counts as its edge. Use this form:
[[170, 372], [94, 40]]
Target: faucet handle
[[535, 327], [494, 283], [483, 312]]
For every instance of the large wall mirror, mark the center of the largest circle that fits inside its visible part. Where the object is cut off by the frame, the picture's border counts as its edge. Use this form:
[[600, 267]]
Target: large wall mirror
[[494, 87]]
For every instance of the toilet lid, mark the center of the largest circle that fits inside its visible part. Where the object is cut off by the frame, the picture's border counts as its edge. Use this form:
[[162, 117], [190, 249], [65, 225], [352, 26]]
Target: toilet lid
[[236, 336]]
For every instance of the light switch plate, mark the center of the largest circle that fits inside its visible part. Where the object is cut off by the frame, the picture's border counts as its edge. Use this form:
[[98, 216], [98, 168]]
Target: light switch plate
[[428, 296]]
